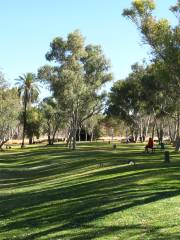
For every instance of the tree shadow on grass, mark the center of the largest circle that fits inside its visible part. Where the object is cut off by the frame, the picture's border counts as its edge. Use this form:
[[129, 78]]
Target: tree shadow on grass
[[78, 215], [56, 167], [83, 204], [76, 203], [133, 230]]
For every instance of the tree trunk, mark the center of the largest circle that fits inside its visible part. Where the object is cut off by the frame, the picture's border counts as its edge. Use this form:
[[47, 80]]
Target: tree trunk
[[74, 139], [136, 137], [85, 135], [153, 129], [69, 139], [24, 123], [147, 127], [79, 134], [178, 126], [132, 134], [161, 134], [92, 135], [74, 130], [141, 130], [30, 140], [49, 133], [74, 134], [127, 140], [158, 134], [54, 134], [2, 143], [170, 132], [49, 139], [53, 138]]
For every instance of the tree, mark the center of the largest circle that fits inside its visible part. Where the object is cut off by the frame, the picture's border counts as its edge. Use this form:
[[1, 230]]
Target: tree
[[158, 34], [53, 118], [126, 102], [9, 110], [33, 123], [176, 9], [77, 79], [164, 41], [91, 127], [28, 90], [138, 99]]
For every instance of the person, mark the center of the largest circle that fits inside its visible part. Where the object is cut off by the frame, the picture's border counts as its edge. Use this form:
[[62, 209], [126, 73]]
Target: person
[[149, 145]]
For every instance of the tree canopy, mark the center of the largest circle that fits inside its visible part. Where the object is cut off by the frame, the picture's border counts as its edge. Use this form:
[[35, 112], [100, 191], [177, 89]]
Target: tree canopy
[[77, 78], [9, 110]]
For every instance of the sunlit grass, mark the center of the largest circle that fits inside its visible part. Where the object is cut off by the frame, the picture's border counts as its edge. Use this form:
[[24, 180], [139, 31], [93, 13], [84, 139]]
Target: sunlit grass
[[91, 193]]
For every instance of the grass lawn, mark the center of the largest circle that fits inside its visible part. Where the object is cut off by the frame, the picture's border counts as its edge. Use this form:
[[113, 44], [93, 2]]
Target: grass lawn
[[53, 193]]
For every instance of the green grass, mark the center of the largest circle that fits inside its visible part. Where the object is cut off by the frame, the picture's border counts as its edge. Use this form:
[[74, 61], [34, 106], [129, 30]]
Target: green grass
[[53, 193]]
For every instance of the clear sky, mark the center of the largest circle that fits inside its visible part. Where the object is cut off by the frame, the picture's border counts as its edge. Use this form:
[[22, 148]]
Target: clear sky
[[28, 26]]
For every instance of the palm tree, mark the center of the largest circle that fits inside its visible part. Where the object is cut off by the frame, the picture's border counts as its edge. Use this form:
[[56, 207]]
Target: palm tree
[[28, 91]]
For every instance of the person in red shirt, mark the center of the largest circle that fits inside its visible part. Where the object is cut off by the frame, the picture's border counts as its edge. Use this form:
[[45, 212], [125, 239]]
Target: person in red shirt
[[149, 145]]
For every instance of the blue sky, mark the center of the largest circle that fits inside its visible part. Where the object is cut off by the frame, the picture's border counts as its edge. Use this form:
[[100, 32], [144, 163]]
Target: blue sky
[[28, 26]]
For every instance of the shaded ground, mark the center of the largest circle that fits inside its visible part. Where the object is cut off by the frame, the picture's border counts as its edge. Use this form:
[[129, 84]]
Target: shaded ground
[[54, 193]]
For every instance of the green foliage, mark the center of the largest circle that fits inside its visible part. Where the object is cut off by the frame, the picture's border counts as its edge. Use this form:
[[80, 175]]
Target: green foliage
[[163, 75], [125, 98], [143, 99], [34, 122], [92, 126], [28, 91], [27, 88], [159, 35], [176, 9], [52, 118], [9, 110], [143, 6], [112, 125], [75, 82]]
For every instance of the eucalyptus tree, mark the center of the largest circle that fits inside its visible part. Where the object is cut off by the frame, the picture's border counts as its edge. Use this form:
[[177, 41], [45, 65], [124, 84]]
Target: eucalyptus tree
[[164, 41], [9, 110], [158, 34], [126, 100], [76, 79], [92, 127], [28, 91], [112, 125], [53, 118]]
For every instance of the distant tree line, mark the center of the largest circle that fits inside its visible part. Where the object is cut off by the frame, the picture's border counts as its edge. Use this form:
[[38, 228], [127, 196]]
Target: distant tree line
[[146, 103]]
